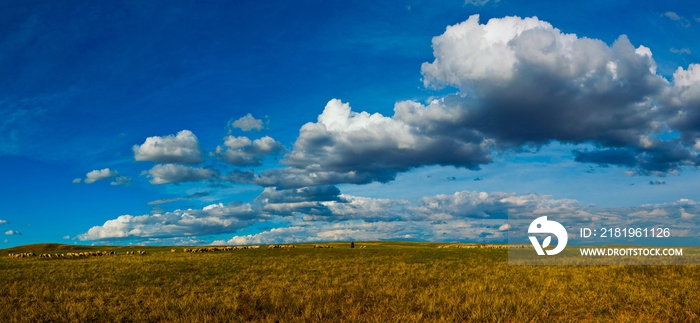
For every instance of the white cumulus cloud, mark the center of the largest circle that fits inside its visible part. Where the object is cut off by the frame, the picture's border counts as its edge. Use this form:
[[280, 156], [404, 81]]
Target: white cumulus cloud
[[97, 175], [242, 151], [181, 148], [525, 83], [345, 146], [212, 219], [248, 123], [173, 173]]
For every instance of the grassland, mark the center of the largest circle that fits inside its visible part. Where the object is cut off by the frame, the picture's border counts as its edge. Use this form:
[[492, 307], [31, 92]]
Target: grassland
[[387, 282]]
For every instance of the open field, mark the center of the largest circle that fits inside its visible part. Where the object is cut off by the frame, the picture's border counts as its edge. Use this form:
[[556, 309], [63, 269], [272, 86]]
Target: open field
[[386, 282]]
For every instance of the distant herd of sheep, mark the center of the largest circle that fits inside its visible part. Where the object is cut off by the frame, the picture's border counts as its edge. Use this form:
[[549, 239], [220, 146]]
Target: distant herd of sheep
[[230, 248], [74, 254], [486, 246], [210, 249], [186, 250], [141, 252], [325, 246]]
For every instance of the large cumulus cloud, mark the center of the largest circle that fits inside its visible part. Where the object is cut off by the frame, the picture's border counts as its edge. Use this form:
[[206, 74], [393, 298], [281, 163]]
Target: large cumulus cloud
[[345, 146], [533, 84]]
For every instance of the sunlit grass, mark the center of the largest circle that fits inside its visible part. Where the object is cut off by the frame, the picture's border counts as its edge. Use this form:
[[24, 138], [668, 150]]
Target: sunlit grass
[[387, 282]]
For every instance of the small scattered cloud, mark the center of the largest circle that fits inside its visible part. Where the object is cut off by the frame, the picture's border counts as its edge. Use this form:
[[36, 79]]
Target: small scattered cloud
[[505, 227], [680, 51], [177, 199], [685, 215], [182, 148], [77, 180], [305, 194], [248, 123], [242, 151], [4, 222], [655, 213], [157, 210], [121, 180], [478, 2], [476, 179], [685, 23], [12, 233], [686, 201], [657, 182], [66, 237], [173, 173], [6, 241], [681, 202], [672, 15], [97, 175]]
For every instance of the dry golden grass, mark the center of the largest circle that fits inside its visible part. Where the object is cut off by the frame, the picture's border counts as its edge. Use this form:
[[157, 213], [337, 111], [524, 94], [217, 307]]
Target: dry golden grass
[[387, 282]]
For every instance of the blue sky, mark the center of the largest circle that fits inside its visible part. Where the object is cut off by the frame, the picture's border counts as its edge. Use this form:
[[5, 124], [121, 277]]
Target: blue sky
[[197, 123]]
